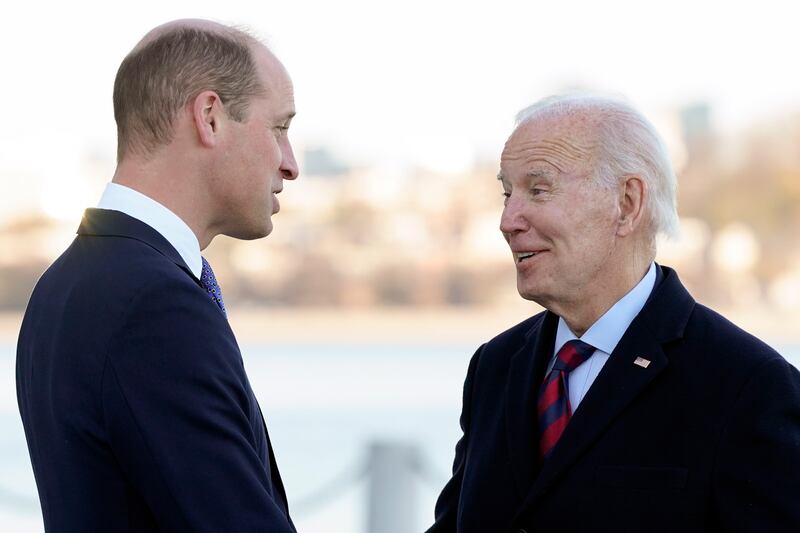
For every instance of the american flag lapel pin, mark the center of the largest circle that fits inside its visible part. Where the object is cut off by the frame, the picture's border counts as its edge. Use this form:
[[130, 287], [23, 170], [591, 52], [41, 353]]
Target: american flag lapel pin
[[642, 362]]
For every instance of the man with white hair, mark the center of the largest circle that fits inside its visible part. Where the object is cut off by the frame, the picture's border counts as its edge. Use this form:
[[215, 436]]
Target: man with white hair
[[625, 406], [137, 409]]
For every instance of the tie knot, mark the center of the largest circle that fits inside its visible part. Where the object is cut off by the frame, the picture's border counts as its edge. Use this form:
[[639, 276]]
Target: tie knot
[[572, 354]]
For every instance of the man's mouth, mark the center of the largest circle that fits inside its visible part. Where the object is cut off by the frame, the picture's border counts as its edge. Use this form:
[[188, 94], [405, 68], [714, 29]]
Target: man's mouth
[[519, 257]]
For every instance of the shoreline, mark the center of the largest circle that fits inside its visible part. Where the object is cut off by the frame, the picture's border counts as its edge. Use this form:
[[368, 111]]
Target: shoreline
[[405, 326]]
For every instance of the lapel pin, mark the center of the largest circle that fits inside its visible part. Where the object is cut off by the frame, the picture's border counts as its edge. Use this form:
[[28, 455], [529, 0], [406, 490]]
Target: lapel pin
[[642, 362]]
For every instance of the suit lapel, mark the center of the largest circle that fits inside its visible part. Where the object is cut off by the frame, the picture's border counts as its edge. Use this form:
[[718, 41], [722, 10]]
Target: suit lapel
[[622, 378], [620, 381], [526, 372]]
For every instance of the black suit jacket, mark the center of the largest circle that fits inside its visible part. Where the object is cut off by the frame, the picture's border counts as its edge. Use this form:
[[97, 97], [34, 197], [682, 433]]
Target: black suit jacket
[[706, 438], [134, 398]]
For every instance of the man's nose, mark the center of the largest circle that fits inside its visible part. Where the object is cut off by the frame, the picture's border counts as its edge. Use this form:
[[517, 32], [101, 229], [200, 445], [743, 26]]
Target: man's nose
[[289, 168], [513, 218]]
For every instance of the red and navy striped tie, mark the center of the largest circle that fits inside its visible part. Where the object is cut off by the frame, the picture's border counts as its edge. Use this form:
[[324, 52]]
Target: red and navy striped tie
[[553, 405]]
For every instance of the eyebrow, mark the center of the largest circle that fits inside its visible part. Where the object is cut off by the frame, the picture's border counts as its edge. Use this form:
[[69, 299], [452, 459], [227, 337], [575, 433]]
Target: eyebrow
[[538, 173], [288, 117], [530, 174]]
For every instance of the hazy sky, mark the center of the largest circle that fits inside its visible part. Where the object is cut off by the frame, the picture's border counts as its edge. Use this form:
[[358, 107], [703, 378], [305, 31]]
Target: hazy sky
[[394, 83]]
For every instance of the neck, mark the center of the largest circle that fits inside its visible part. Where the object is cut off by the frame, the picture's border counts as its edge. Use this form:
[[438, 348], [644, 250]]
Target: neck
[[585, 311], [165, 183]]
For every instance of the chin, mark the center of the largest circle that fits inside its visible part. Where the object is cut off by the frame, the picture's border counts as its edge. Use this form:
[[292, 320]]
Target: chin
[[529, 293], [267, 227], [262, 232], [252, 232], [524, 293], [262, 228], [528, 296]]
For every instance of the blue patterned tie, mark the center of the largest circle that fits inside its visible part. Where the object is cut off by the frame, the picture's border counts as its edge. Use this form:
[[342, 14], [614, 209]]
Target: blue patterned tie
[[209, 282]]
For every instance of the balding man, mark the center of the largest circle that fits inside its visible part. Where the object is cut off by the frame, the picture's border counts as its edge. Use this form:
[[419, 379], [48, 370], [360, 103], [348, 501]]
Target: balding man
[[137, 410], [626, 406]]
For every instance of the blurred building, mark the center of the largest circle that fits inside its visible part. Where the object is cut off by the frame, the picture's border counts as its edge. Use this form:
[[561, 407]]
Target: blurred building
[[351, 236]]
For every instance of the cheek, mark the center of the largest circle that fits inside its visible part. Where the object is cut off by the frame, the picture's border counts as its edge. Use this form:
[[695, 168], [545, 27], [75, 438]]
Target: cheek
[[588, 226], [599, 237], [276, 152], [261, 156]]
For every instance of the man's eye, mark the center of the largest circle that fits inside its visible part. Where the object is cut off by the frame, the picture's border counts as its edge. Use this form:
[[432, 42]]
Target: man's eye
[[536, 191]]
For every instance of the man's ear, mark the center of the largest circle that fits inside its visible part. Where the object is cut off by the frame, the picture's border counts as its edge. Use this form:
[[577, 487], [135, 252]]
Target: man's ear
[[631, 204], [207, 114]]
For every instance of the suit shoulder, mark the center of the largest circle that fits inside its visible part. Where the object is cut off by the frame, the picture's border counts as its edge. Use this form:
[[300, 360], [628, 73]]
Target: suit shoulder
[[110, 262], [499, 349], [518, 332], [97, 280], [708, 328]]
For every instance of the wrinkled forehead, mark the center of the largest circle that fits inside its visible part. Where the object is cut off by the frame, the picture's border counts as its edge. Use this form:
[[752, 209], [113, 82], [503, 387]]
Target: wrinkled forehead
[[565, 142]]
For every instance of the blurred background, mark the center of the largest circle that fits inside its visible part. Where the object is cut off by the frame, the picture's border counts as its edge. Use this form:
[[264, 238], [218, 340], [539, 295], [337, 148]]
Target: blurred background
[[358, 315]]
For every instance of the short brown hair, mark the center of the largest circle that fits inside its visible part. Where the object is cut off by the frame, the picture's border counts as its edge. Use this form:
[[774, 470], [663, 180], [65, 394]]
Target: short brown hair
[[160, 76]]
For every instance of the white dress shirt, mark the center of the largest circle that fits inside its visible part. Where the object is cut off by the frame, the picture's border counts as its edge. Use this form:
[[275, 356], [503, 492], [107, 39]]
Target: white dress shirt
[[604, 335], [135, 204]]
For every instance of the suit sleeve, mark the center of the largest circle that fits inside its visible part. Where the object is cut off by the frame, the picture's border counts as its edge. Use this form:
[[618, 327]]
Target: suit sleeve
[[179, 416], [446, 513], [757, 476]]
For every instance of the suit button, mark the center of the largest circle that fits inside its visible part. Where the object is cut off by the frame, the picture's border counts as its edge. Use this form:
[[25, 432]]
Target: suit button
[[521, 531]]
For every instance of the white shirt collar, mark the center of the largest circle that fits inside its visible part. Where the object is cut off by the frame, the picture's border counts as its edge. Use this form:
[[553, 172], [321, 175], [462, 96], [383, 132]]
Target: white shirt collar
[[606, 333], [168, 224]]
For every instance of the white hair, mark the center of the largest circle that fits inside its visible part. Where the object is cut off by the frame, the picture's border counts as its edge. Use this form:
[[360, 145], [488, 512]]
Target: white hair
[[626, 144]]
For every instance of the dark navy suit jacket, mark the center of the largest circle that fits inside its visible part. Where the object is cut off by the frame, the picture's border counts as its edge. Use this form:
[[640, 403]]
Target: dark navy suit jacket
[[136, 406], [706, 438]]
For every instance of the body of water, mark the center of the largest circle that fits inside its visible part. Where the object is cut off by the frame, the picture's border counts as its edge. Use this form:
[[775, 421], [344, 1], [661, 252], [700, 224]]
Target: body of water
[[324, 406]]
